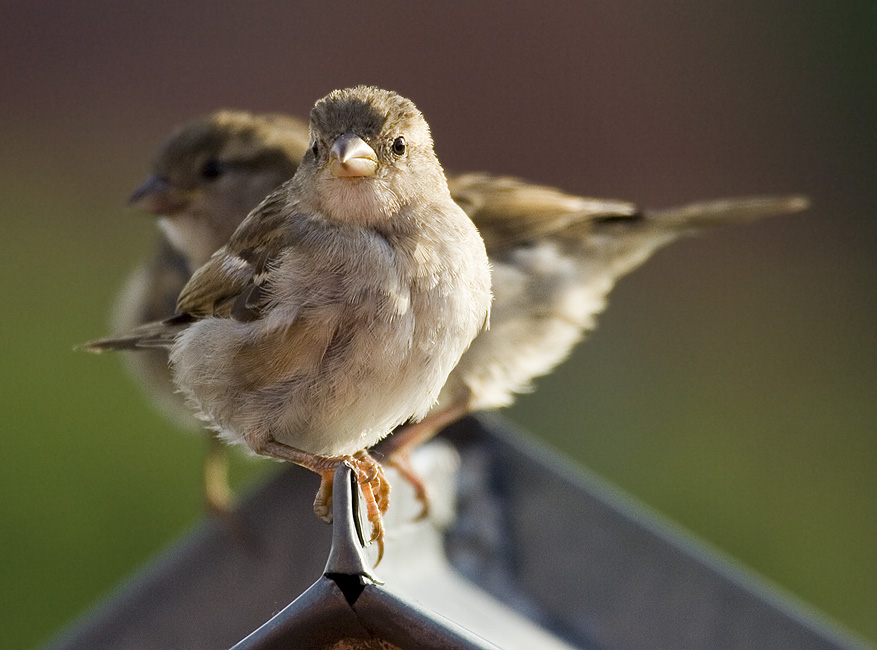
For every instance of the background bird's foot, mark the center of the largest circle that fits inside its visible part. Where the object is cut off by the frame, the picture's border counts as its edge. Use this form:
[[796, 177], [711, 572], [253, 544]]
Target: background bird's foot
[[217, 493], [218, 499], [401, 462], [407, 438]]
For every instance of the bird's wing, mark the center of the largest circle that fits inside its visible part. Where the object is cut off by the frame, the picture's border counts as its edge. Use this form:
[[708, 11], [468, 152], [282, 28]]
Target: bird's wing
[[509, 211], [239, 283], [233, 282]]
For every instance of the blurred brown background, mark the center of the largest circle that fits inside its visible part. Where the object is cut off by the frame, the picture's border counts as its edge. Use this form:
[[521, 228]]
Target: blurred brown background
[[731, 384]]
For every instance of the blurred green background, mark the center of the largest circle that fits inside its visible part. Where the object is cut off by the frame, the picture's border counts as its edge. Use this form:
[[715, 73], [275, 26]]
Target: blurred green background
[[731, 384]]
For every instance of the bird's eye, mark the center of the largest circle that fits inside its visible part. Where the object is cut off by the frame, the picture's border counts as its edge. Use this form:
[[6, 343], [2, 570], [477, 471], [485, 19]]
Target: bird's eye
[[399, 146], [315, 150], [212, 169]]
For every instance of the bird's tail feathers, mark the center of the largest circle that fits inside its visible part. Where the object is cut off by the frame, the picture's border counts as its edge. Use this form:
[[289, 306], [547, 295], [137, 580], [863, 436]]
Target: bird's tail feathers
[[158, 334], [720, 212]]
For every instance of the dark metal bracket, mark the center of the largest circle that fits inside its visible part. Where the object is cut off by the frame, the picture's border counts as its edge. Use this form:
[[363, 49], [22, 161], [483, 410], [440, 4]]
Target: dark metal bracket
[[365, 611]]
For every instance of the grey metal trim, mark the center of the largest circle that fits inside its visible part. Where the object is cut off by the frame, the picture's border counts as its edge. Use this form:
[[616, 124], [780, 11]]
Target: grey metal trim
[[525, 550]]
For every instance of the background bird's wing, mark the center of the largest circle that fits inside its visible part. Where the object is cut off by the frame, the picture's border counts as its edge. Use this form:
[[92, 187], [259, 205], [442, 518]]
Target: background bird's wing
[[509, 211]]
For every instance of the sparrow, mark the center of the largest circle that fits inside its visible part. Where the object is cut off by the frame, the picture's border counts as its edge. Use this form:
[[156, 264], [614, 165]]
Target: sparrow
[[554, 257], [206, 177], [339, 306]]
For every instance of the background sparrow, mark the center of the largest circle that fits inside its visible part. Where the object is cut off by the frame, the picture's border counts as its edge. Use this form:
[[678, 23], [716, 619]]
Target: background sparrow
[[554, 259], [206, 177]]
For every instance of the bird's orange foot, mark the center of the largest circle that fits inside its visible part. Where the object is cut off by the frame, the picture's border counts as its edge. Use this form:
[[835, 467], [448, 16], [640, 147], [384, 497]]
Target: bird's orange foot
[[373, 485], [369, 474], [376, 491]]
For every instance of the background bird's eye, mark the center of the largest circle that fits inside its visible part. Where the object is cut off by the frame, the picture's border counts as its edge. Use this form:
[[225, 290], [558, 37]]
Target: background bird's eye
[[399, 146], [212, 169]]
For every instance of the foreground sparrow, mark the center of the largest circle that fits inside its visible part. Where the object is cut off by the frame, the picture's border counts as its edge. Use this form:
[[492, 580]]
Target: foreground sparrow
[[206, 177], [340, 305]]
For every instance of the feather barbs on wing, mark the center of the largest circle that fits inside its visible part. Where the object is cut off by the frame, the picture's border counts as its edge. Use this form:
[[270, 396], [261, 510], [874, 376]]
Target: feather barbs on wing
[[232, 284]]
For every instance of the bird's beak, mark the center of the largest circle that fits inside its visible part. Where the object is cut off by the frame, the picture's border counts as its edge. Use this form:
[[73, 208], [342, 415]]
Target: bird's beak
[[157, 196], [351, 156]]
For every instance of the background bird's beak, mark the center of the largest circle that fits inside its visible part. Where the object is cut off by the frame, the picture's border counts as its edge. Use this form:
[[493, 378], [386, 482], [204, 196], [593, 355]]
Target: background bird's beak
[[351, 156], [157, 196]]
